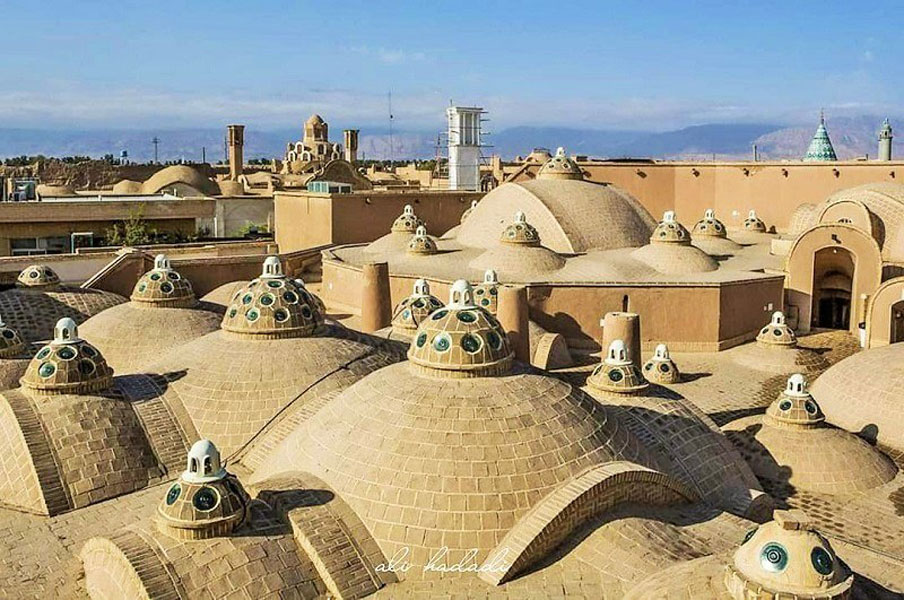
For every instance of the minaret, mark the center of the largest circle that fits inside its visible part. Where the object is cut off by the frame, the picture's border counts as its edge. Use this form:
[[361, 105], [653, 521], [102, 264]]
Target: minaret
[[885, 137], [236, 141], [821, 146], [464, 147], [350, 139]]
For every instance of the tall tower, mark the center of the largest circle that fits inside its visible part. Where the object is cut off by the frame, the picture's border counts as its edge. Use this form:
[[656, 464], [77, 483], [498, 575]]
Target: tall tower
[[315, 130], [885, 137], [350, 141], [236, 140], [464, 147]]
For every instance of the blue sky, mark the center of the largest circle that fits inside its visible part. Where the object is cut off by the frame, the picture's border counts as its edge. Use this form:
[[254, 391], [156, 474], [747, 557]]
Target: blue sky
[[622, 65]]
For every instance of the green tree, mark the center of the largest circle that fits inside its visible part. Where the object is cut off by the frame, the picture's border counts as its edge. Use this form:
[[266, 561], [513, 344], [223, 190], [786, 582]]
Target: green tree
[[132, 231]]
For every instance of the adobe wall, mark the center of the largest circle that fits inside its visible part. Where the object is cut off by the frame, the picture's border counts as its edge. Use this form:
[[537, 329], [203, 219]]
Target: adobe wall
[[234, 214], [737, 327], [106, 210], [696, 320], [305, 219], [773, 189], [302, 220]]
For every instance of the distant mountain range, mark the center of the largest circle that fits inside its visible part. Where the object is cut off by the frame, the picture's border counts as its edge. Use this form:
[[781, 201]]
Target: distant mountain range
[[852, 137]]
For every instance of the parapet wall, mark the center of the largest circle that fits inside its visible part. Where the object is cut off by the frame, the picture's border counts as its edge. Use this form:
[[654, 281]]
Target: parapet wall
[[306, 219], [774, 189], [688, 317]]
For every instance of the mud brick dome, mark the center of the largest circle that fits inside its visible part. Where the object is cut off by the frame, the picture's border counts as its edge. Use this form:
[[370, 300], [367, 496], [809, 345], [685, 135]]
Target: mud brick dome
[[461, 339], [163, 286], [38, 276], [273, 305], [68, 364], [413, 310], [162, 315]]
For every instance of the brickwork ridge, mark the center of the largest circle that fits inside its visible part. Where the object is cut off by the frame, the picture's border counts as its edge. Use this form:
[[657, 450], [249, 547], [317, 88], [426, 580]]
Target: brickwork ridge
[[57, 497]]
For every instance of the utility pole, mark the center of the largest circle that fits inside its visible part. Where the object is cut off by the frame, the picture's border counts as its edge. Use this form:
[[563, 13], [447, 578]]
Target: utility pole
[[390, 130], [203, 154], [155, 141]]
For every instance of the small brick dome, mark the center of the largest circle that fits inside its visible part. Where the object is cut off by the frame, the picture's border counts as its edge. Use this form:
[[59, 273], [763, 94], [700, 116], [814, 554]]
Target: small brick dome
[[617, 373], [794, 407], [660, 368], [777, 333], [461, 339], [670, 231], [787, 558], [520, 232], [206, 501], [709, 225], [421, 243], [68, 364], [468, 212], [11, 343], [560, 167], [163, 286], [413, 310], [754, 223], [38, 276], [486, 293], [407, 222], [273, 305]]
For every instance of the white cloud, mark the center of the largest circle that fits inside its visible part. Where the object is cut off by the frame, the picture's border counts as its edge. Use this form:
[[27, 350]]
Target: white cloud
[[389, 56], [75, 106]]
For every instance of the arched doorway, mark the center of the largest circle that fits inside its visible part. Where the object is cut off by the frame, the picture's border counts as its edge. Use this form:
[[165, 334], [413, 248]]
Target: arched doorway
[[833, 274], [834, 261], [897, 323]]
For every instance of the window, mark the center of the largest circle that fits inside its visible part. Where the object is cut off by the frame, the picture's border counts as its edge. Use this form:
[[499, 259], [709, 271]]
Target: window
[[33, 246]]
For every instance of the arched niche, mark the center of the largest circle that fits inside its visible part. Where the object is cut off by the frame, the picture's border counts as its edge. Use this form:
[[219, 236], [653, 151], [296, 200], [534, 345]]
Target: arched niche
[[827, 263], [849, 212], [885, 314]]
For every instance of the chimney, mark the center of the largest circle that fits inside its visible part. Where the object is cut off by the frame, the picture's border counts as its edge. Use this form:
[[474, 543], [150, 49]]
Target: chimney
[[236, 141], [350, 142]]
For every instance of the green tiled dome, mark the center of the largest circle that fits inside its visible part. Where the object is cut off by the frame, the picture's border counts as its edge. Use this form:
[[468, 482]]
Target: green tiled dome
[[821, 146]]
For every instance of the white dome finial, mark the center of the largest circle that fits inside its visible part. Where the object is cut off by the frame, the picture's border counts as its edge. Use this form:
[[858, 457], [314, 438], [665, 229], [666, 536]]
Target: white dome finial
[[751, 214], [618, 353], [461, 294], [420, 231], [560, 152], [408, 210], [272, 267], [520, 218], [421, 287], [668, 216], [161, 262], [662, 352], [797, 385], [778, 318], [65, 332], [489, 276], [709, 214], [203, 465]]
